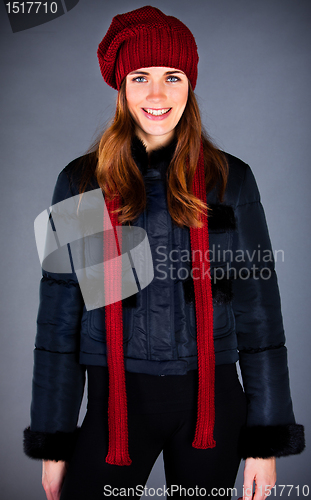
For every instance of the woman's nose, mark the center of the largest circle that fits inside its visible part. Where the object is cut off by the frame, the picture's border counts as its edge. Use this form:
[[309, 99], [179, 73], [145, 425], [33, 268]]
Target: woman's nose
[[156, 93]]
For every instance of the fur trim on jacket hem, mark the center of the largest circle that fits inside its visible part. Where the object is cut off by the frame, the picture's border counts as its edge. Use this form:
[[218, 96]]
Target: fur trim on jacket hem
[[272, 441], [50, 446]]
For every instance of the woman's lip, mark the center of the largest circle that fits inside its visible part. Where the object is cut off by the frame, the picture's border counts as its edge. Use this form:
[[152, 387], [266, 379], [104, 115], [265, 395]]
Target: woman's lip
[[157, 118]]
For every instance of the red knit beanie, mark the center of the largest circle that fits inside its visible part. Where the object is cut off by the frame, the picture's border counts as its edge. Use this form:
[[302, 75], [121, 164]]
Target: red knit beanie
[[144, 38]]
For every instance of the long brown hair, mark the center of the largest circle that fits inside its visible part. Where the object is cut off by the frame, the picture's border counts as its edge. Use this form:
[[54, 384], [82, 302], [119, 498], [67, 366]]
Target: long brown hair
[[116, 170]]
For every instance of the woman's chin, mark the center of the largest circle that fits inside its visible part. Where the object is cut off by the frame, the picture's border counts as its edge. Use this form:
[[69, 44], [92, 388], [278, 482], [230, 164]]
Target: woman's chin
[[157, 131]]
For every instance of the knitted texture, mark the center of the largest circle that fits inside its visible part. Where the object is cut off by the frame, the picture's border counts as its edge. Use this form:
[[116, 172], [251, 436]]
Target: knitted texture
[[204, 319], [144, 38], [117, 404]]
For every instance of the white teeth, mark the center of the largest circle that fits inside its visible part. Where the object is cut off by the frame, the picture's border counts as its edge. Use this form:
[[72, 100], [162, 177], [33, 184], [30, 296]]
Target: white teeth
[[157, 112]]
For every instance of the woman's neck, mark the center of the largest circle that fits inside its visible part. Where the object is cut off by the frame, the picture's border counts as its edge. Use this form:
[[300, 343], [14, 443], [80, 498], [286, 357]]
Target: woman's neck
[[153, 142]]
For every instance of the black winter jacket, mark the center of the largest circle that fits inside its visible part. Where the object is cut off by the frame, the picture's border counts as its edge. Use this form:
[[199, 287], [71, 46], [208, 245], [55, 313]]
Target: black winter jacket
[[247, 316]]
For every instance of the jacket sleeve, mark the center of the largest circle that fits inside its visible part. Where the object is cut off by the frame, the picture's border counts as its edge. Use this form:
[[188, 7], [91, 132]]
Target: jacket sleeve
[[271, 429], [58, 378]]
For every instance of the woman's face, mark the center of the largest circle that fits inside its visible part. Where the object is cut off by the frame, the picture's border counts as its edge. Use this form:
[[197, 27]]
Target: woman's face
[[156, 98]]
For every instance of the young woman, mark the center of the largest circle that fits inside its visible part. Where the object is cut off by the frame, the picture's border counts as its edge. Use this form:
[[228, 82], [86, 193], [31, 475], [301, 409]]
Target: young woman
[[161, 363]]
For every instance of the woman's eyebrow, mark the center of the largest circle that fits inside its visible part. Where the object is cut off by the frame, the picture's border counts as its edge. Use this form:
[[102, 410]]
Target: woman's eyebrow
[[146, 72], [176, 71]]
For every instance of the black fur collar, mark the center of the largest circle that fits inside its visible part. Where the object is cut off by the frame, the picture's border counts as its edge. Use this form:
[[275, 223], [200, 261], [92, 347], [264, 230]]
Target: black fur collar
[[158, 158]]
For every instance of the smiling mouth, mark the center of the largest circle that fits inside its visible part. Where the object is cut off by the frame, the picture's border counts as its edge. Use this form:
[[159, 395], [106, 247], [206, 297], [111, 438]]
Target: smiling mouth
[[156, 112]]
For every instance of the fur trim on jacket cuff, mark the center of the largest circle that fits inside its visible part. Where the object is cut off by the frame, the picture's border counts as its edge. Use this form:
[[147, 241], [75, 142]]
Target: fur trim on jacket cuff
[[272, 441], [50, 446]]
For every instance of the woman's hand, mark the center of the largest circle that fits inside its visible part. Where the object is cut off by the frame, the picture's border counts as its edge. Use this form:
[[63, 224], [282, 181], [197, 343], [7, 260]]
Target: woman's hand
[[263, 472], [53, 474]]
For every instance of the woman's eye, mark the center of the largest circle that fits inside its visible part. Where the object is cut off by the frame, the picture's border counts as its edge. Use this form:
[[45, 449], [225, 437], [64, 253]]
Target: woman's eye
[[139, 79], [173, 78]]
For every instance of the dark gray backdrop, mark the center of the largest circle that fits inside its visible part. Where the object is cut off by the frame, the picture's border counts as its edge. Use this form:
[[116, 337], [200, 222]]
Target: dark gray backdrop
[[253, 88]]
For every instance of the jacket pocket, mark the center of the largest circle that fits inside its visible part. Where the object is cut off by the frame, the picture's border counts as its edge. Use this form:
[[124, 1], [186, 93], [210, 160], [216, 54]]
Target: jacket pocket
[[223, 320], [97, 327]]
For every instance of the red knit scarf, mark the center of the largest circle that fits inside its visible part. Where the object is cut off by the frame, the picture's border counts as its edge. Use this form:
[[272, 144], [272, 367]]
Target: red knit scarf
[[118, 453]]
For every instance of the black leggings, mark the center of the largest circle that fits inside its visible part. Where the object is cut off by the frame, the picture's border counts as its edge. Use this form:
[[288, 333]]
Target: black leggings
[[161, 417]]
